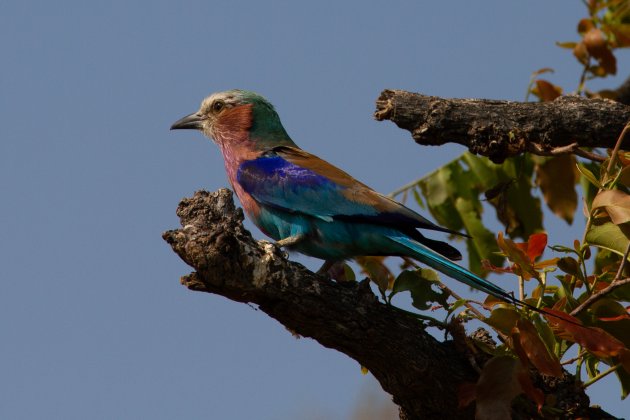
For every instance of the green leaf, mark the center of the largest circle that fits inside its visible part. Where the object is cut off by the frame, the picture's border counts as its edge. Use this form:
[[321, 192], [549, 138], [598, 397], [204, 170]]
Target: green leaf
[[566, 292], [503, 319], [457, 304], [624, 381], [482, 245], [512, 197], [483, 169], [564, 249], [589, 189], [586, 173], [418, 198], [437, 188], [606, 260], [570, 266], [568, 45], [591, 363], [609, 236], [546, 334], [526, 206], [420, 284]]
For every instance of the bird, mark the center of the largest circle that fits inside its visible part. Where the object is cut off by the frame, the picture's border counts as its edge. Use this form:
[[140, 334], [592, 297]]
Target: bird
[[308, 205]]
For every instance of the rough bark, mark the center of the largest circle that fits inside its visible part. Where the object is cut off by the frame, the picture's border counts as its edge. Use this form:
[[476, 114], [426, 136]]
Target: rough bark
[[421, 373], [501, 129]]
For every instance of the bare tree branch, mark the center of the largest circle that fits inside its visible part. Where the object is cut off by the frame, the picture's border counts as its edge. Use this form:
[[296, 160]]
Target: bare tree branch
[[501, 129], [422, 374]]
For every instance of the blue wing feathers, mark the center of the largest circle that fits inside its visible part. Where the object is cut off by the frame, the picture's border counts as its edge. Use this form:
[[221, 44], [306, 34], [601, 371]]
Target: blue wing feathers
[[276, 182]]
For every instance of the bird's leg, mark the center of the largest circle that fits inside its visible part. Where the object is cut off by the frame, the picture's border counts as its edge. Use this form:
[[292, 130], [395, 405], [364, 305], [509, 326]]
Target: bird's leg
[[290, 241]]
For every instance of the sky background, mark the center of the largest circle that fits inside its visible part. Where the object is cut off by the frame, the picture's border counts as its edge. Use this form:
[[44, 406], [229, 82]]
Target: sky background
[[94, 322]]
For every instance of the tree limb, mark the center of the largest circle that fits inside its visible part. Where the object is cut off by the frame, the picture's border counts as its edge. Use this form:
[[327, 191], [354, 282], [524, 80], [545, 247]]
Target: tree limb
[[501, 129], [421, 373]]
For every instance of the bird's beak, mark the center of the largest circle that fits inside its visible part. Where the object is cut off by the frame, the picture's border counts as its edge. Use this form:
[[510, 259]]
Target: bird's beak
[[192, 121]]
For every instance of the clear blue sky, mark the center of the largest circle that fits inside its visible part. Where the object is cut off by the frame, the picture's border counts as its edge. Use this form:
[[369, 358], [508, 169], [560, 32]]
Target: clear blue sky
[[93, 320]]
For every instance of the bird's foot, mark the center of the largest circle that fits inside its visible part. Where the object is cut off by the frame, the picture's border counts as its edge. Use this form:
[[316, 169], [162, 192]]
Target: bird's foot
[[290, 241]]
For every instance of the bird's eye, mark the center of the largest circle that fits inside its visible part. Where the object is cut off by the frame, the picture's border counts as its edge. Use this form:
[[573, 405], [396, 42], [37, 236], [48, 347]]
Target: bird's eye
[[218, 106]]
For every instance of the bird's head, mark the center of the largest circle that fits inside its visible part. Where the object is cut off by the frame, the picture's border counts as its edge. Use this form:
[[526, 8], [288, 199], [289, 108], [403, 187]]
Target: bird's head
[[235, 116]]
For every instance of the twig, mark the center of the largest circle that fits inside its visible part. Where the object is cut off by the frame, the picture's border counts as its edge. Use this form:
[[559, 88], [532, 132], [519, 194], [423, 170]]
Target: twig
[[580, 88], [589, 155], [613, 156], [622, 264], [617, 282], [466, 302], [596, 296], [565, 150], [601, 375], [560, 150], [405, 187], [573, 359]]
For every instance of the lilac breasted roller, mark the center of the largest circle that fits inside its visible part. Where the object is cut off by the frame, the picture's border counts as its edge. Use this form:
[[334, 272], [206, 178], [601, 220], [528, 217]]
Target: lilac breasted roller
[[308, 205]]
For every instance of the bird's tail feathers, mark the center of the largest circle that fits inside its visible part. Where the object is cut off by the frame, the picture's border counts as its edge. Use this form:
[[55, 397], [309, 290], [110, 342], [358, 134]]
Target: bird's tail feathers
[[451, 269]]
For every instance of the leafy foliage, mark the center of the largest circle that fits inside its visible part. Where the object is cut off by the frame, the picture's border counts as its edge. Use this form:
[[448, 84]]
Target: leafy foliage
[[606, 29], [578, 307]]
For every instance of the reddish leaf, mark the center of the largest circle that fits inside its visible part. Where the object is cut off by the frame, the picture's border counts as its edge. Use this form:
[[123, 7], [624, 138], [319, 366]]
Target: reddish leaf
[[595, 340], [546, 91], [523, 266], [624, 158], [530, 390], [608, 62], [585, 25], [547, 263], [597, 46], [536, 245], [580, 52], [534, 349], [488, 266], [595, 42], [614, 318]]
